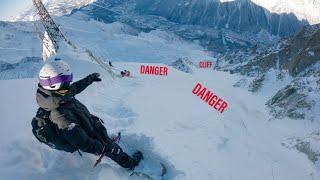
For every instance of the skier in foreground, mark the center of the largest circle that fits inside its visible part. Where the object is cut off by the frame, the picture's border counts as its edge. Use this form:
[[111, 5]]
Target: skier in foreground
[[64, 123]]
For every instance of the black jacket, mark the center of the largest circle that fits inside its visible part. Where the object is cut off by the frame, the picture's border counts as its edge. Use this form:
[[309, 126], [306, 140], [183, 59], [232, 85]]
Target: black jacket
[[73, 120]]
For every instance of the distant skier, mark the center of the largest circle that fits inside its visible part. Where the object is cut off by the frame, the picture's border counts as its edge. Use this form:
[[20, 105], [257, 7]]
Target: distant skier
[[110, 64], [125, 73], [64, 123]]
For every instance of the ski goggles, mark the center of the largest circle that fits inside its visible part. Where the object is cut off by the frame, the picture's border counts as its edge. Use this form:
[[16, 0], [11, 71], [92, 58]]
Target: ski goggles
[[56, 80]]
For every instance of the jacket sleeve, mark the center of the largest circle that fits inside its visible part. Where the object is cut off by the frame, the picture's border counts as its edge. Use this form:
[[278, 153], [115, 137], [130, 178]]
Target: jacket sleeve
[[78, 86], [80, 140]]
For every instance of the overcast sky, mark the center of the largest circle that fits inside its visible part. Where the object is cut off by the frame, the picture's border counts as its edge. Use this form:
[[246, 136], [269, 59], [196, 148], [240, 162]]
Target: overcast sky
[[11, 8]]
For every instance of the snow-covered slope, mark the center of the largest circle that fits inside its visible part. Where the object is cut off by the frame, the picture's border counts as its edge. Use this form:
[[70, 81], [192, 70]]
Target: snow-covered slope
[[293, 61], [288, 74], [55, 7], [18, 40], [216, 25], [115, 41], [160, 116]]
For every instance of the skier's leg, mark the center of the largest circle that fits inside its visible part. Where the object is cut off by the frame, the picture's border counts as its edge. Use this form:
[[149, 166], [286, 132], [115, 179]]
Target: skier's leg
[[115, 152], [99, 127], [79, 139]]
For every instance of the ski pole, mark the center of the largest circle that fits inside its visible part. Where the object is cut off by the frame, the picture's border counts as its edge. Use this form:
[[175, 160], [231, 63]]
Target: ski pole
[[114, 140]]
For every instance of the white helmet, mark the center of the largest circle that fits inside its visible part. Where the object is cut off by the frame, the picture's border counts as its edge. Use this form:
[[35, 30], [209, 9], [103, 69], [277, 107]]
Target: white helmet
[[55, 75]]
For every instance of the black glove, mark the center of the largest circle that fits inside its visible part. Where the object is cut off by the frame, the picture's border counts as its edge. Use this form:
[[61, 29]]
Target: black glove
[[95, 77]]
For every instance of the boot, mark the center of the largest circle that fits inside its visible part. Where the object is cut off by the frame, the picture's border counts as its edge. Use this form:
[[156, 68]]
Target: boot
[[129, 162], [136, 158], [115, 152]]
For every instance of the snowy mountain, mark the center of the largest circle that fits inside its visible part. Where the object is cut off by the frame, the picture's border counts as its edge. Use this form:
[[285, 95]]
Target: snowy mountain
[[293, 66], [302, 9], [219, 26], [297, 56], [239, 16], [116, 41], [216, 25], [55, 7]]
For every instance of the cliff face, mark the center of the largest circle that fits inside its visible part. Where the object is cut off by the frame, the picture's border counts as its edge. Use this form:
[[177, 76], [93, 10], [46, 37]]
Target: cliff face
[[218, 25], [307, 56], [299, 57], [238, 16]]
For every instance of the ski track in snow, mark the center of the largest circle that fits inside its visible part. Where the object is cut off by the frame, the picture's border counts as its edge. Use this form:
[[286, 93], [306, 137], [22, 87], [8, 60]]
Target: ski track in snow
[[161, 117]]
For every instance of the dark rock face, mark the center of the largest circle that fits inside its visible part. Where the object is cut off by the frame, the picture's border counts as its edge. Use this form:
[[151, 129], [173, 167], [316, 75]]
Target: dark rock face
[[305, 148], [239, 16], [307, 145], [307, 56], [293, 54], [218, 26], [286, 92], [298, 56], [289, 102], [256, 84], [5, 66], [183, 64], [29, 60]]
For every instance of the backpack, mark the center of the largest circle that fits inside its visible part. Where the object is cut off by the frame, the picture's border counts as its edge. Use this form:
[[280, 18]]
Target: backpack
[[48, 133]]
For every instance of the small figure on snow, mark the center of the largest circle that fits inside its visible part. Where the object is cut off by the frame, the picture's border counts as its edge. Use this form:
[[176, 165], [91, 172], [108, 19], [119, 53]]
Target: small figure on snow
[[110, 64], [125, 73], [64, 123]]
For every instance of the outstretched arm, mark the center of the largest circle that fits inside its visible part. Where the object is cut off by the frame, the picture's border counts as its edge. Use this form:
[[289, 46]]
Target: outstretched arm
[[79, 86]]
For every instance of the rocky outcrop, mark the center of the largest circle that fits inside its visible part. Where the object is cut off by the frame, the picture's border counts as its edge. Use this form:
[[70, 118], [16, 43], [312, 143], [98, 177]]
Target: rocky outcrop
[[307, 56], [5, 66], [288, 102], [184, 65], [298, 56], [300, 99], [238, 16], [293, 54], [308, 145], [218, 26], [257, 83]]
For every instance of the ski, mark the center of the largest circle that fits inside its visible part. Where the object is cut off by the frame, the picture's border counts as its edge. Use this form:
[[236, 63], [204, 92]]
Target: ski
[[147, 176]]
